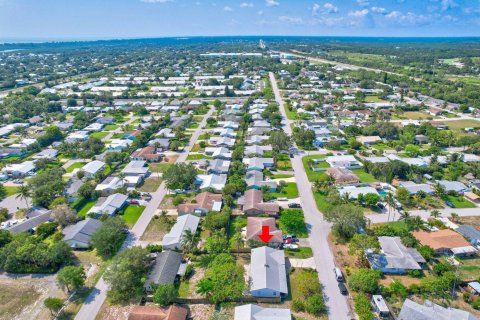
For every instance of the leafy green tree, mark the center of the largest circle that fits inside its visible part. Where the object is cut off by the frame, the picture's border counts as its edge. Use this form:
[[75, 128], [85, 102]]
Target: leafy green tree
[[3, 214], [189, 240], [3, 191], [280, 141], [402, 194], [5, 237], [315, 304], [109, 237], [216, 244], [46, 229], [371, 199], [125, 274], [361, 242], [71, 278], [54, 305], [24, 193], [347, 219], [47, 186], [365, 280], [363, 307], [165, 295], [180, 176]]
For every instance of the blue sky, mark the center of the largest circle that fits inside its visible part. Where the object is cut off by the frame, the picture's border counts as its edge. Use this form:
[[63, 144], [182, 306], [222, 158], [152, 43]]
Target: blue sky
[[98, 19]]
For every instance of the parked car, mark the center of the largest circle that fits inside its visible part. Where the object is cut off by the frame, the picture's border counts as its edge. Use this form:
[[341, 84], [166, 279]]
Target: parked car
[[134, 202], [343, 288], [288, 241], [448, 203], [282, 199], [291, 155], [294, 205], [290, 246], [338, 274], [18, 181], [180, 191], [381, 205]]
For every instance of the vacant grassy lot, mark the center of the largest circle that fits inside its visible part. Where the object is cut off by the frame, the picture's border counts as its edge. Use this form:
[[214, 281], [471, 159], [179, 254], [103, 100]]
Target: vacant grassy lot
[[99, 135], [11, 190], [150, 185], [474, 221], [413, 115], [313, 176], [76, 165], [290, 191], [301, 253], [16, 295], [198, 156], [131, 213], [292, 222], [469, 269], [281, 176], [364, 177], [82, 212], [157, 228], [321, 202], [459, 125], [111, 127]]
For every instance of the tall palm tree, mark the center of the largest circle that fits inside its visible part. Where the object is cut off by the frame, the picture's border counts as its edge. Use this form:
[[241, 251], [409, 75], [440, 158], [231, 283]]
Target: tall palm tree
[[405, 216], [122, 176], [391, 205], [24, 193], [435, 214], [189, 241]]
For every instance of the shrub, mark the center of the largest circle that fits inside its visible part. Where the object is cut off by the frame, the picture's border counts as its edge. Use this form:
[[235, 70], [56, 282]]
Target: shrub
[[365, 280], [476, 304], [315, 304], [363, 307], [177, 200], [165, 295], [298, 306], [152, 248]]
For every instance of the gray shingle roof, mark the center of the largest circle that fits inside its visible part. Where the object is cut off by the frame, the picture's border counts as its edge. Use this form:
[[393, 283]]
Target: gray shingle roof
[[469, 231], [82, 230], [267, 270], [431, 311], [165, 268]]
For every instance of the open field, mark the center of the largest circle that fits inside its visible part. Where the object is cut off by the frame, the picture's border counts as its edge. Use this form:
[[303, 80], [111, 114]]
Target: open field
[[462, 124], [157, 228]]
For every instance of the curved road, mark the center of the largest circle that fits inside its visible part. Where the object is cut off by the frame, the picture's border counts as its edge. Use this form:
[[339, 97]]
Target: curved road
[[319, 229]]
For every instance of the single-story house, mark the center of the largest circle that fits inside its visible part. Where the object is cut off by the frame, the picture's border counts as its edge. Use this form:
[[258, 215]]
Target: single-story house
[[71, 189], [431, 311], [257, 150], [256, 139], [471, 233], [205, 202], [94, 127], [19, 169], [162, 144], [146, 154], [258, 164], [136, 168], [50, 154], [35, 216], [218, 166], [165, 269], [77, 136], [445, 242], [344, 161], [255, 227], [221, 142], [413, 188], [255, 180], [254, 312], [215, 181], [173, 239], [394, 257], [78, 235], [109, 205], [369, 140], [342, 175], [109, 185], [152, 312], [268, 273], [119, 144], [353, 191], [218, 153], [252, 204], [92, 168], [455, 186]]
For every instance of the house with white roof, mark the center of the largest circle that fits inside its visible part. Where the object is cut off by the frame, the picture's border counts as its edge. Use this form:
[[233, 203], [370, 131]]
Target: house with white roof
[[344, 161], [77, 136], [215, 181], [353, 191], [254, 312], [173, 239], [19, 169], [94, 127], [119, 144], [268, 273], [92, 168], [109, 185], [110, 205]]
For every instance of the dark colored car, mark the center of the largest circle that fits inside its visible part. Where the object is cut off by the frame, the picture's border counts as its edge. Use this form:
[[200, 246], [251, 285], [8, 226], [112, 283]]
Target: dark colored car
[[381, 205], [291, 155], [448, 203], [342, 288], [294, 205]]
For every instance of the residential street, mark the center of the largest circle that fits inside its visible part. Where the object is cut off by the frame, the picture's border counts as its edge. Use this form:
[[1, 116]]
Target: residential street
[[97, 297], [318, 230]]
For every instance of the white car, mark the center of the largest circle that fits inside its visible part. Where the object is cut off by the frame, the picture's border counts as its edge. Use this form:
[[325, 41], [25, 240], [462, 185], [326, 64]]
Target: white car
[[291, 246]]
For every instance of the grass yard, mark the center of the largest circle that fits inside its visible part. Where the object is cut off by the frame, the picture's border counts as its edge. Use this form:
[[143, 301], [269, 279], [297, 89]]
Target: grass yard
[[82, 212], [413, 115], [459, 125], [469, 269], [159, 166], [292, 221], [313, 176], [301, 253], [150, 185], [99, 135], [198, 156], [11, 190], [157, 228], [111, 127], [281, 176], [118, 135], [373, 99], [364, 177], [290, 191], [131, 213], [460, 202], [76, 165], [321, 202]]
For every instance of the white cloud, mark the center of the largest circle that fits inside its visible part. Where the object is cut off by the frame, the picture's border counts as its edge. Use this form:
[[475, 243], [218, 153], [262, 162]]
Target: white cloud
[[156, 1], [358, 13], [363, 3], [246, 5], [316, 7], [448, 4], [378, 10], [326, 8], [227, 8], [394, 15], [271, 3], [330, 8], [291, 20]]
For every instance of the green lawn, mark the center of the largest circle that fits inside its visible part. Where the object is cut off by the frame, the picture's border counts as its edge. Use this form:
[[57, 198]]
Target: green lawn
[[281, 176], [11, 190], [131, 213], [111, 127], [460, 202], [118, 135], [373, 99], [469, 269], [364, 177], [159, 166], [76, 165], [301, 253], [82, 212], [99, 135], [198, 156], [313, 176], [290, 191], [292, 221], [321, 201]]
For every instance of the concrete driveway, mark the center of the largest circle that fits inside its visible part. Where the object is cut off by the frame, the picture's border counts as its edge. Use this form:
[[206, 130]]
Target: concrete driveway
[[13, 204]]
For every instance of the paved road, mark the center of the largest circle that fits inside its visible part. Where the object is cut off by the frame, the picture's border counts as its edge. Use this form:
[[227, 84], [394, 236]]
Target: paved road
[[318, 230], [97, 297]]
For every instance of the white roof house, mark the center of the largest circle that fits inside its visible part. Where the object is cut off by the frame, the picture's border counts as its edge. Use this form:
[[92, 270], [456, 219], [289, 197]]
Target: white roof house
[[119, 144], [94, 127], [173, 239], [109, 205], [19, 169], [109, 184], [215, 181], [353, 191], [92, 168], [254, 312], [136, 168], [268, 274], [344, 161], [77, 136]]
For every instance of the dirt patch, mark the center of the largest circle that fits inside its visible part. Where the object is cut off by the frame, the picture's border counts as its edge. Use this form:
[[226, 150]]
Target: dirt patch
[[157, 229], [201, 311], [114, 312], [405, 280], [473, 221]]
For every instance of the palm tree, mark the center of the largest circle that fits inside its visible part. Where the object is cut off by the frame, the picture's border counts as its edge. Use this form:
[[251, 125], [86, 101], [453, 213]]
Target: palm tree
[[189, 240], [435, 214], [416, 222], [24, 193], [204, 287], [391, 205], [122, 176], [454, 216], [237, 239], [405, 216]]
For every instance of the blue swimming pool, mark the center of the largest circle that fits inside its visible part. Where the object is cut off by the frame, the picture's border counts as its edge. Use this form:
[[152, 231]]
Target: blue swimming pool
[[383, 193]]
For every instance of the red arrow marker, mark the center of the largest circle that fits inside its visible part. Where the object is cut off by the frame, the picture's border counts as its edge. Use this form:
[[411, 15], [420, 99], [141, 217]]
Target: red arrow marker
[[265, 236]]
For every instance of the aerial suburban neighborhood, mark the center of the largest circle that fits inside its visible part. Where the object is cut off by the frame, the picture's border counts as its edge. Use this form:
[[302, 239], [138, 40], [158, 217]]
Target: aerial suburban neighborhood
[[239, 179]]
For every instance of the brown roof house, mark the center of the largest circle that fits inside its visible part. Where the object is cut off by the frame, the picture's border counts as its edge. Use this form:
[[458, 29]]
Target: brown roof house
[[445, 242], [148, 154], [252, 204], [342, 175], [205, 202], [254, 229], [156, 313]]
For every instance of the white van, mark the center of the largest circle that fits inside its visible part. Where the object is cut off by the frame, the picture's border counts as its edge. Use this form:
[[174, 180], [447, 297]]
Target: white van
[[338, 274]]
